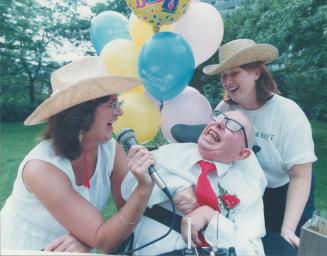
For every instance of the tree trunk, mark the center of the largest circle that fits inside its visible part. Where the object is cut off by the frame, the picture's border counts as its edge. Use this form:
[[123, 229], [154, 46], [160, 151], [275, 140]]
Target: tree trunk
[[31, 91]]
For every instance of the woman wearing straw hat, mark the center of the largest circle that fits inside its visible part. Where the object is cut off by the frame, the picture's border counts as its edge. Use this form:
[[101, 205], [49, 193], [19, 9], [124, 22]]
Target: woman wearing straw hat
[[64, 182], [283, 141]]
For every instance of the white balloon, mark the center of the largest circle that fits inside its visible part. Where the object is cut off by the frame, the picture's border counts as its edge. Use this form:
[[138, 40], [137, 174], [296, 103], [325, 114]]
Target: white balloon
[[202, 27], [189, 107]]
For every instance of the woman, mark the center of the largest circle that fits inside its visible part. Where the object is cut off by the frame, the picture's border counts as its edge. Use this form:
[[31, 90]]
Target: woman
[[64, 182], [283, 136]]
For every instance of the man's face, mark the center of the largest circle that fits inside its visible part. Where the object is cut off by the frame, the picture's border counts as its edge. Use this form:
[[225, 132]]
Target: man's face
[[219, 144]]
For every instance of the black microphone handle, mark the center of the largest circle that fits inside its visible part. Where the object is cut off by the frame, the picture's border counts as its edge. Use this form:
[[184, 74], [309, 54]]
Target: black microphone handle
[[152, 171], [156, 178]]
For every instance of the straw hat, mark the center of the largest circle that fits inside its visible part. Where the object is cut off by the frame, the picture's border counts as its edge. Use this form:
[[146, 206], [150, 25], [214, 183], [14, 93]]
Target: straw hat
[[239, 52], [78, 82]]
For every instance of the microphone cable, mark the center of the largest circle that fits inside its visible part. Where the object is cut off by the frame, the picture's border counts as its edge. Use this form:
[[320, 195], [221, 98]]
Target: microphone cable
[[168, 194]]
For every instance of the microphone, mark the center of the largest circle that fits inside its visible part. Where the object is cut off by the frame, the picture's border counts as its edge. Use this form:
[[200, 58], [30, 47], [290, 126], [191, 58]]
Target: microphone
[[126, 137]]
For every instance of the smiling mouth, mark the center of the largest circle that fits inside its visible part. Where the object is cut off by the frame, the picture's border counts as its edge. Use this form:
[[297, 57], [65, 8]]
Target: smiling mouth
[[233, 89], [110, 123], [213, 135]]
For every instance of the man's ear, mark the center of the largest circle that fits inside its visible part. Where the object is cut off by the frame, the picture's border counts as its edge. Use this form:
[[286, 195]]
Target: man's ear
[[244, 153]]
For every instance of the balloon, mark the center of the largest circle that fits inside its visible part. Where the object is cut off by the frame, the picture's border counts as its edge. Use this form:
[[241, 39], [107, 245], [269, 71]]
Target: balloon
[[203, 28], [166, 65], [158, 12], [120, 57], [138, 89], [140, 31], [140, 114], [107, 26], [189, 107], [156, 102]]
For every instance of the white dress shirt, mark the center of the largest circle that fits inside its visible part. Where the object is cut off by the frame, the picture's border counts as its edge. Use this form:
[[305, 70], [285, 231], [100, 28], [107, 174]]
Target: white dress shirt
[[177, 165]]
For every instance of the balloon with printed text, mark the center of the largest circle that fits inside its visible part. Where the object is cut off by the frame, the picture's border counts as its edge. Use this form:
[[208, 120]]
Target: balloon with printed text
[[158, 12], [166, 65]]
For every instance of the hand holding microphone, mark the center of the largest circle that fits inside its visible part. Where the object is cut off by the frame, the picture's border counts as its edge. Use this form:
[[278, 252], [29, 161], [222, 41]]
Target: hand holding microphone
[[126, 137]]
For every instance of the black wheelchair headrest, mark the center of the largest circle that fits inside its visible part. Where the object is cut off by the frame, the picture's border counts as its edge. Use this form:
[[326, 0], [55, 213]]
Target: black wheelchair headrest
[[187, 133]]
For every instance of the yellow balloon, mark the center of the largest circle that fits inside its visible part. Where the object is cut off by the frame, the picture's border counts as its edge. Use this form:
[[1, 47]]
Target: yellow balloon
[[140, 114], [138, 89], [140, 31], [120, 56], [158, 12]]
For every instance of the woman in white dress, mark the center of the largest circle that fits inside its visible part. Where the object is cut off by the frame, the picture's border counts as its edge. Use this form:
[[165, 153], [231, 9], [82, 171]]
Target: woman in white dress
[[64, 182]]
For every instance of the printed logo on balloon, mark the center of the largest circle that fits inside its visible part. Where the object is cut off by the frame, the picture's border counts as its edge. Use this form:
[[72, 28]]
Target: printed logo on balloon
[[158, 12], [166, 65]]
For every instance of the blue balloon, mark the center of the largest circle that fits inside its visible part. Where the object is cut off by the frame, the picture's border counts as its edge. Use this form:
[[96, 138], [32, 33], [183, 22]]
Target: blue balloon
[[107, 26], [166, 64]]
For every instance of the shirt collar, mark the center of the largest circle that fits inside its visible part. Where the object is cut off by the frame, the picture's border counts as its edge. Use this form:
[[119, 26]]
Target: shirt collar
[[221, 167]]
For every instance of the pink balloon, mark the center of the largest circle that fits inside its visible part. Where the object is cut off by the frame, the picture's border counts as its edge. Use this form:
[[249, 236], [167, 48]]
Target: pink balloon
[[202, 27], [189, 107]]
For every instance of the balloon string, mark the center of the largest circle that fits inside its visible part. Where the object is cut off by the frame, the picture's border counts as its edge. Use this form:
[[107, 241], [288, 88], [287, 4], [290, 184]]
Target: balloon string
[[161, 105]]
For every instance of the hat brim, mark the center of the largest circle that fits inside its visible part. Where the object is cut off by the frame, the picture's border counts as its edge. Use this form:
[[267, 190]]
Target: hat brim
[[259, 52], [83, 91]]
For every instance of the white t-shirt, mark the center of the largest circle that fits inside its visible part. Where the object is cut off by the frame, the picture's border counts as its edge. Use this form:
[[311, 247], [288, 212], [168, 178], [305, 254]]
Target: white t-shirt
[[25, 223], [176, 163], [282, 134]]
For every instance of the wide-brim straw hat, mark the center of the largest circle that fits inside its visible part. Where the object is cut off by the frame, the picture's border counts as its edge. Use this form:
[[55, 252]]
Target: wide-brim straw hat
[[78, 82], [239, 52]]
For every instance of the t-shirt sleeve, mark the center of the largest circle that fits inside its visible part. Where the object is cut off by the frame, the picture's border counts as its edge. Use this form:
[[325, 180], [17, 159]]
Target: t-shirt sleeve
[[297, 145]]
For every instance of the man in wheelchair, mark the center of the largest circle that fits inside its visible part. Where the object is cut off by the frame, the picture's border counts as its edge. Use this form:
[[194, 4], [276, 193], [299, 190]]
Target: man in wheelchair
[[218, 182]]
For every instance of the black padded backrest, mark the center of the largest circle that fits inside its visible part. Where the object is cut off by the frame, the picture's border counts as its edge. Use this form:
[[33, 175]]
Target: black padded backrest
[[187, 133]]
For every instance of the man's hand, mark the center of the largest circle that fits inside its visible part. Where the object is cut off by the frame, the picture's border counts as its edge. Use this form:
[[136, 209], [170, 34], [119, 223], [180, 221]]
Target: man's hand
[[185, 200], [290, 236], [67, 243], [201, 217]]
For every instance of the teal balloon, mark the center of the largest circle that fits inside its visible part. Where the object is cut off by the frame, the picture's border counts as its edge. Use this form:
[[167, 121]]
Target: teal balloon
[[166, 64], [107, 26]]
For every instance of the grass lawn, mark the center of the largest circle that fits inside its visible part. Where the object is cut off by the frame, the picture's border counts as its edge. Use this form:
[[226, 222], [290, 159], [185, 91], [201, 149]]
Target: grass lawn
[[16, 140]]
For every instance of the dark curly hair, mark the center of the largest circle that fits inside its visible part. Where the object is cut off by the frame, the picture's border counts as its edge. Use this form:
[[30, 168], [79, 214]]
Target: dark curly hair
[[65, 127], [265, 85]]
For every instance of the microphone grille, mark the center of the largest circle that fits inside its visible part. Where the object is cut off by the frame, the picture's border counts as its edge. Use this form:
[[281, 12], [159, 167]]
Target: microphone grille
[[124, 135]]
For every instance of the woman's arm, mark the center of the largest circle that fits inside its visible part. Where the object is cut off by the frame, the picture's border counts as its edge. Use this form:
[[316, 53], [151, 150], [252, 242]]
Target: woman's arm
[[297, 197], [54, 189], [119, 172]]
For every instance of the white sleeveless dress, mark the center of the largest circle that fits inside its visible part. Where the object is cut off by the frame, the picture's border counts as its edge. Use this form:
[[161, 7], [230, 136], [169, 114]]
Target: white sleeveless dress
[[25, 223]]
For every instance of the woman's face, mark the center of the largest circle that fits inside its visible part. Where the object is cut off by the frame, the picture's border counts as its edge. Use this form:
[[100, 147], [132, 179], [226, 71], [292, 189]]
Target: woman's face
[[240, 84], [104, 117]]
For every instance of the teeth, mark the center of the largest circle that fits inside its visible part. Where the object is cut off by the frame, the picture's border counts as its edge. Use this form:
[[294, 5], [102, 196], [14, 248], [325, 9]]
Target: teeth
[[214, 135]]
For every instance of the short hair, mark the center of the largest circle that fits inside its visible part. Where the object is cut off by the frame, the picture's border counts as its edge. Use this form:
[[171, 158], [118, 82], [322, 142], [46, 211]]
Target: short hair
[[64, 128], [265, 85]]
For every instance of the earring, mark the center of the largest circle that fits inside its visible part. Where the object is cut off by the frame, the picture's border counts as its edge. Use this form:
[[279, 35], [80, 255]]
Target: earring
[[80, 136]]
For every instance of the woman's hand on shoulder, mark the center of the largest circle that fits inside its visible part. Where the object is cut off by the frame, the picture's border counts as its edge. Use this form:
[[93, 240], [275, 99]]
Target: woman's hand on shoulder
[[67, 243], [139, 161]]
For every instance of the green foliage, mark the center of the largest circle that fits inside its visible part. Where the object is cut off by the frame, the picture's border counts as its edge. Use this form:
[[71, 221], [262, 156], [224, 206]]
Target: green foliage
[[319, 130], [29, 30]]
